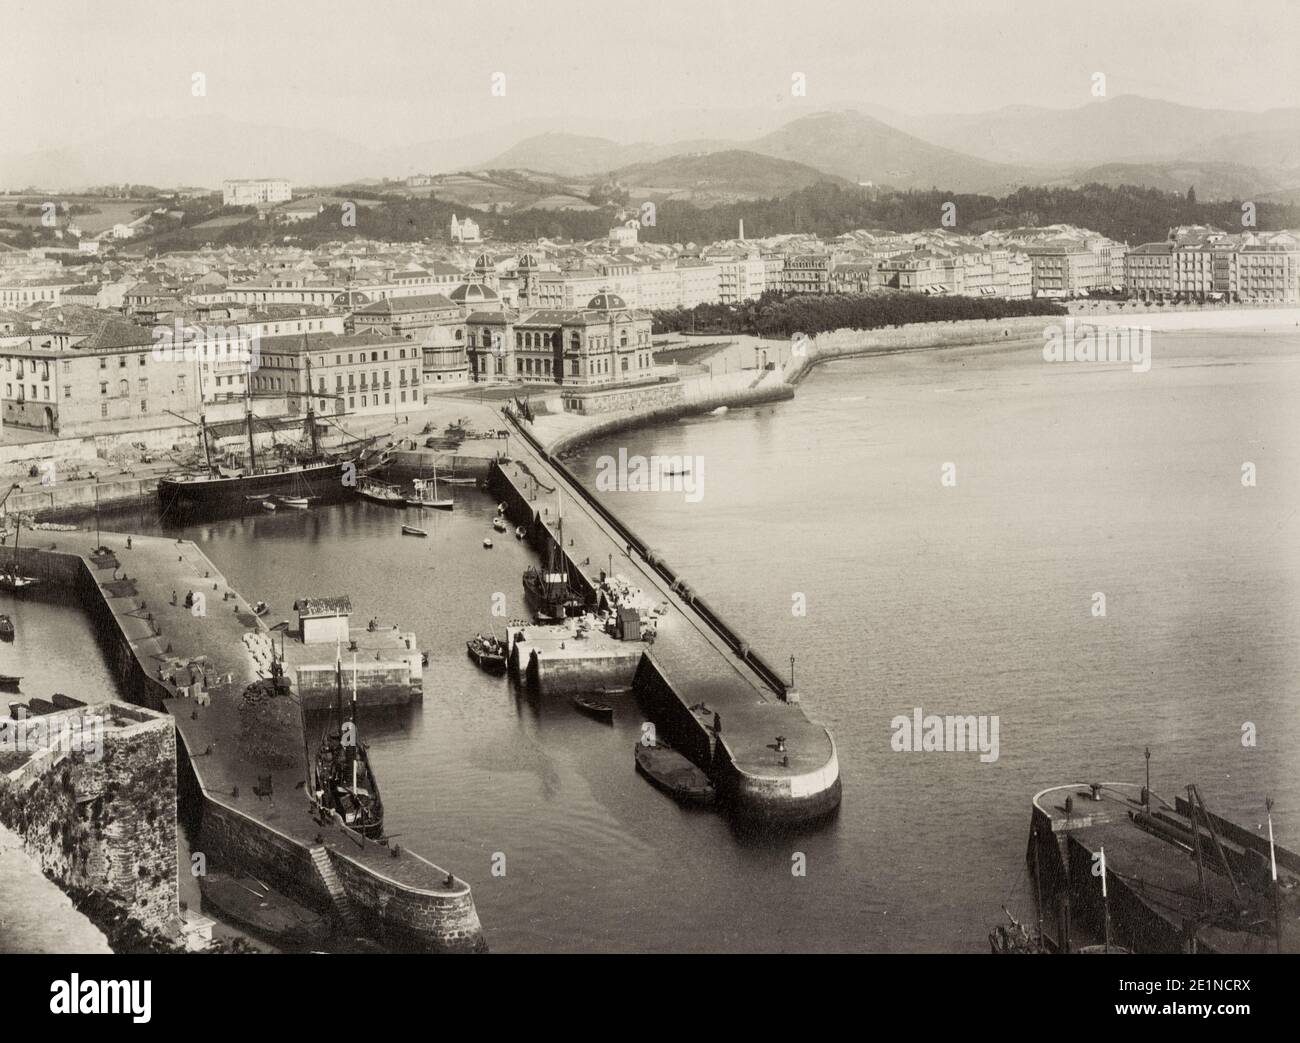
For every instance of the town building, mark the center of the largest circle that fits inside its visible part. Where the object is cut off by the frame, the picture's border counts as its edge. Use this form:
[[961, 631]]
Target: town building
[[254, 191]]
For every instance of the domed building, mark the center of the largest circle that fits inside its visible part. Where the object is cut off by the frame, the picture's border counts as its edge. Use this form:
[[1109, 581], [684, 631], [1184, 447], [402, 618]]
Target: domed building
[[476, 296], [605, 342]]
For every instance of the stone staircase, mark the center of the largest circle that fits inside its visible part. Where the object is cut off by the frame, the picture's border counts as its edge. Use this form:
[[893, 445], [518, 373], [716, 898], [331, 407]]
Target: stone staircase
[[338, 895]]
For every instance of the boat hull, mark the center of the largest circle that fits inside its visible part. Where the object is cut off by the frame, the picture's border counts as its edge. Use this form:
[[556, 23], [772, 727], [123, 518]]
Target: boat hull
[[217, 495]]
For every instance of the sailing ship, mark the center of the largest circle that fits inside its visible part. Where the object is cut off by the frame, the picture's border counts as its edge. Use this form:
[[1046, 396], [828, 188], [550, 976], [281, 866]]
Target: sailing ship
[[343, 786], [426, 495], [548, 586], [215, 487]]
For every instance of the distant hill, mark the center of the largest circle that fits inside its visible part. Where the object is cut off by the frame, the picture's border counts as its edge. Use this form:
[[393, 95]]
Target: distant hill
[[574, 155], [862, 148], [1211, 180], [707, 179]]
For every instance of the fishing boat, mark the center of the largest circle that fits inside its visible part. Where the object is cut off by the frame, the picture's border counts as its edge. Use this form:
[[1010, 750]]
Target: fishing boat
[[9, 682], [487, 542], [6, 628], [487, 652], [548, 586], [213, 487], [343, 786], [669, 771], [593, 708], [426, 495], [411, 530], [10, 580], [380, 492]]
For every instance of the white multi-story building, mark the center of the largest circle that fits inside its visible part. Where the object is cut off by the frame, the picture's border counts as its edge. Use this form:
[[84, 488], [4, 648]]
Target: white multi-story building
[[252, 191]]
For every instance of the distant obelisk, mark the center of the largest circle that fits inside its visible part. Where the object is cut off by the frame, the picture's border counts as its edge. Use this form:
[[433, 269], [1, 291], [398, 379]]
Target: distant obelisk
[[742, 229]]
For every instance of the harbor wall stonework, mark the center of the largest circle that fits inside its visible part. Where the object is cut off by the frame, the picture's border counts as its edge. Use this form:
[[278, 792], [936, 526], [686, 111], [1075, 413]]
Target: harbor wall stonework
[[405, 917], [232, 836], [105, 820]]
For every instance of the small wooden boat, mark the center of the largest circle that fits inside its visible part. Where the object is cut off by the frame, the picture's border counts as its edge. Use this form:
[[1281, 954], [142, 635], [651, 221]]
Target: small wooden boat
[[296, 503], [6, 628], [9, 682], [267, 505], [381, 492], [261, 608], [426, 495], [499, 524], [487, 542], [593, 708], [669, 771], [257, 497], [16, 584], [246, 901], [488, 653], [411, 530], [520, 532], [459, 480]]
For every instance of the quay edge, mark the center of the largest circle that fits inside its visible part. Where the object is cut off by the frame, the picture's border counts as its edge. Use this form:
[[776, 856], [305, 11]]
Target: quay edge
[[403, 900]]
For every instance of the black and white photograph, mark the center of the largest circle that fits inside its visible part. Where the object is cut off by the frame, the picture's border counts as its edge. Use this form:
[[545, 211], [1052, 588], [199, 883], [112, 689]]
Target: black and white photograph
[[623, 478]]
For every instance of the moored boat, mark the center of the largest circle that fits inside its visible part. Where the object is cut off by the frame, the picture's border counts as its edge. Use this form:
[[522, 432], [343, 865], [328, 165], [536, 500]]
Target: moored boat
[[411, 530], [304, 468], [380, 492], [487, 652], [342, 784], [297, 503], [426, 495], [593, 707], [671, 772]]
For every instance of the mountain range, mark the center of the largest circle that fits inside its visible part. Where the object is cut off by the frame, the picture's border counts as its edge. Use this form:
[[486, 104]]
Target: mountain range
[[1127, 139]]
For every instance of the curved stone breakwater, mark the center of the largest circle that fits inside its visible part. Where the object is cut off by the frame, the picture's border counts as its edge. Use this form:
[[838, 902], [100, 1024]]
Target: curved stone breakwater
[[706, 691], [386, 892]]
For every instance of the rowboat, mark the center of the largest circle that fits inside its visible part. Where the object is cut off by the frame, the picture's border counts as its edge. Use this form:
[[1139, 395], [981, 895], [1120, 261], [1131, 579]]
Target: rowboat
[[488, 653], [593, 708], [669, 771], [456, 480], [411, 530], [297, 503], [267, 505]]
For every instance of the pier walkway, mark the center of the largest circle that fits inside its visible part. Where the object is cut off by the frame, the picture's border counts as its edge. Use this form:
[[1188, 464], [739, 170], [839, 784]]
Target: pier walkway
[[403, 898], [692, 662]]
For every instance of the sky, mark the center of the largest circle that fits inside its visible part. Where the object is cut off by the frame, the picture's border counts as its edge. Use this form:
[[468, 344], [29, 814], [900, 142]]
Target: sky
[[388, 71]]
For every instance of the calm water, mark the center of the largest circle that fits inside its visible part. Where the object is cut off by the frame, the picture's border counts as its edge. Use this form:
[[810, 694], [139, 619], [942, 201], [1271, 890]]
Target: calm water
[[975, 600]]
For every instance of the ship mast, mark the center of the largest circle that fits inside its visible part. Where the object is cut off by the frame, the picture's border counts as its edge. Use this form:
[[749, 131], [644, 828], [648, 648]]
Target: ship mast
[[203, 422], [311, 413], [248, 420]]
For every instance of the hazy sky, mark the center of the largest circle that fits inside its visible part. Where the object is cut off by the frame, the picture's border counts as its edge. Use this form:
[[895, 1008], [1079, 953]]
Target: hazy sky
[[385, 71]]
